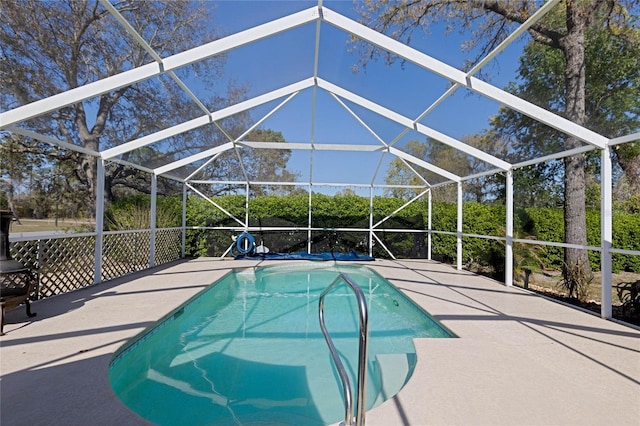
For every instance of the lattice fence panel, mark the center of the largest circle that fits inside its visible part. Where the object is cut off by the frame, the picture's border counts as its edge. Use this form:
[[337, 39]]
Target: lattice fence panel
[[59, 264], [25, 252], [124, 253], [65, 264], [168, 245]]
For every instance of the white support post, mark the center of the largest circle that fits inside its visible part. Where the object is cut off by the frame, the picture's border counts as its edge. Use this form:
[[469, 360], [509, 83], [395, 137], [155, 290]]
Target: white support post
[[508, 255], [429, 210], [152, 220], [309, 222], [371, 220], [606, 233], [246, 207], [97, 264], [459, 229], [184, 221]]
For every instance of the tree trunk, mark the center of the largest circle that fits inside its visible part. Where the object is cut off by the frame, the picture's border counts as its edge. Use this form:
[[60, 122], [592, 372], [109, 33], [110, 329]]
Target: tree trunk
[[577, 270], [90, 168]]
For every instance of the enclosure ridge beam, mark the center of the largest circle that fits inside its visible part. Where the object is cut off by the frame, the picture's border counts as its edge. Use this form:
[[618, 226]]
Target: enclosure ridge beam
[[348, 147], [456, 76], [147, 71], [282, 183], [275, 145], [242, 182], [309, 146], [316, 53], [204, 120]]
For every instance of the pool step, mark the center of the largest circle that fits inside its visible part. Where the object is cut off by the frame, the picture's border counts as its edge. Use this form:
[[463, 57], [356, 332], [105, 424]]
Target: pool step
[[394, 371]]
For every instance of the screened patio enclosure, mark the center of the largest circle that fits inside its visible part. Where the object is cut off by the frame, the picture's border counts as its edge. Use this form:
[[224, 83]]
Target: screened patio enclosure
[[343, 128]]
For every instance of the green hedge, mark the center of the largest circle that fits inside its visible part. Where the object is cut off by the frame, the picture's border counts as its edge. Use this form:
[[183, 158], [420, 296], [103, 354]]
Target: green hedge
[[350, 211]]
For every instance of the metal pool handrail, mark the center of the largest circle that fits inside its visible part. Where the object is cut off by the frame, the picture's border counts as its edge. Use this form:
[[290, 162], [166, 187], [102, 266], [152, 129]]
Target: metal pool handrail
[[362, 354]]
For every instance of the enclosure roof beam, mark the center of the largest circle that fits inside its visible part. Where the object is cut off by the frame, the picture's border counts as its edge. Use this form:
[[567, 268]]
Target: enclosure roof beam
[[456, 76], [407, 122], [543, 10], [129, 29], [53, 141], [169, 63], [534, 18], [435, 169], [193, 158], [142, 42], [204, 120], [624, 139], [206, 163], [556, 156]]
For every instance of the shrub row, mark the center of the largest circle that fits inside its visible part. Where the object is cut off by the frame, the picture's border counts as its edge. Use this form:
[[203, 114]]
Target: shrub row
[[331, 214]]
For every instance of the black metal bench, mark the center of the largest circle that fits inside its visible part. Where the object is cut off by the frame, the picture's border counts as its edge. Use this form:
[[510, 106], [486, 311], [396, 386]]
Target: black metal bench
[[16, 281], [16, 288]]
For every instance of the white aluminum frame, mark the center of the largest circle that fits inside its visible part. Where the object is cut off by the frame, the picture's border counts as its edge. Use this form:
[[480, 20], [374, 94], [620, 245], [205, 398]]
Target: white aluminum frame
[[318, 15]]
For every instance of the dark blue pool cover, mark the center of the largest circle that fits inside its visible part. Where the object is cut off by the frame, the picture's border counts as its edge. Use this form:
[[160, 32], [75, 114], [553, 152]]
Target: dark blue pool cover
[[352, 255]]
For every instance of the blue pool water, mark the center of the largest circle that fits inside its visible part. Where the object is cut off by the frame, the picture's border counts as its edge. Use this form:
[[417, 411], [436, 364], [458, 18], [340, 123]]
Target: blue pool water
[[249, 349]]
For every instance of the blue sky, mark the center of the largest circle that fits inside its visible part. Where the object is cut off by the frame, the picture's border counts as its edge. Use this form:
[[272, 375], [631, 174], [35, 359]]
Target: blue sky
[[401, 87]]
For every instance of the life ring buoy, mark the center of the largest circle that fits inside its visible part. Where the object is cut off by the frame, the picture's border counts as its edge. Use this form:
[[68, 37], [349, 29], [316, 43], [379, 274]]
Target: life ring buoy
[[245, 243]]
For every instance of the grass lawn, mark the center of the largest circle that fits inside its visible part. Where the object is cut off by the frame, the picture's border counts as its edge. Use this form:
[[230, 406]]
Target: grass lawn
[[52, 225]]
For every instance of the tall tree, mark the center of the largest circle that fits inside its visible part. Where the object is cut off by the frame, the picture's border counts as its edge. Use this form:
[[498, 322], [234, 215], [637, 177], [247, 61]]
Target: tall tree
[[612, 63], [13, 167], [49, 47], [485, 188], [270, 163], [564, 30]]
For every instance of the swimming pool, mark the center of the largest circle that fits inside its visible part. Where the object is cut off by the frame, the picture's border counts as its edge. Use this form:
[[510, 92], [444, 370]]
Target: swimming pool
[[249, 349]]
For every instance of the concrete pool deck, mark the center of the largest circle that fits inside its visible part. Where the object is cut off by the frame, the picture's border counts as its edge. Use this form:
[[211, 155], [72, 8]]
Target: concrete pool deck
[[520, 359]]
